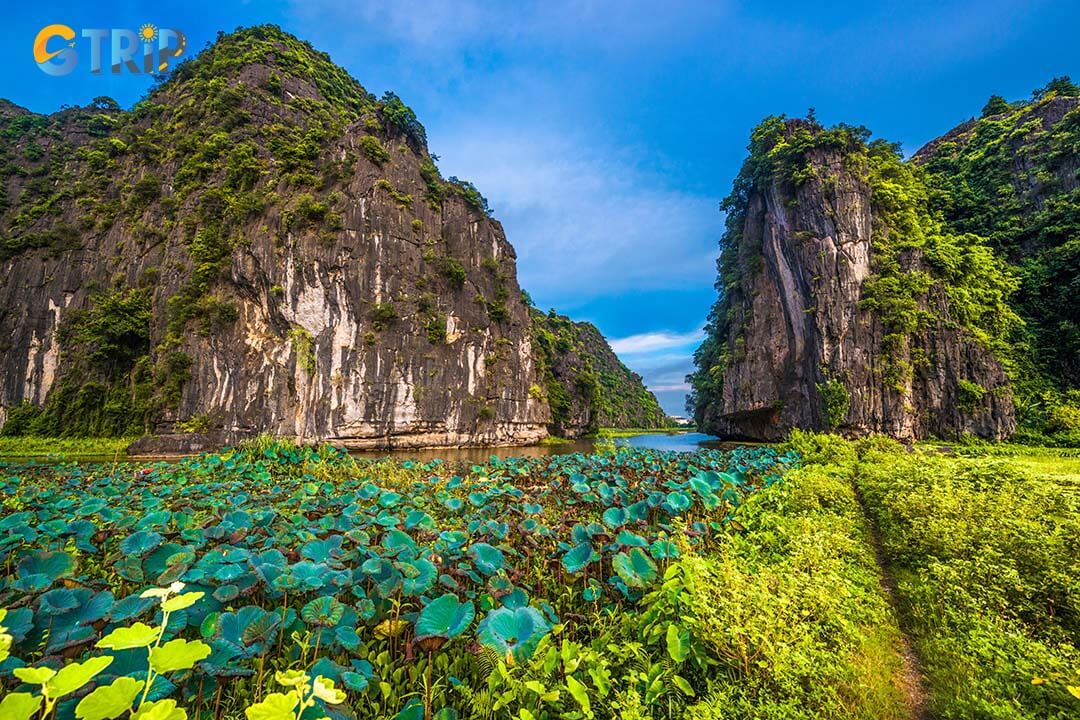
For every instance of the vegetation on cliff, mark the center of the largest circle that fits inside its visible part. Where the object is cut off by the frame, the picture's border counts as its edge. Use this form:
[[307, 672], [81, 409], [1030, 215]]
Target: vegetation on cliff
[[955, 222], [188, 208], [585, 383], [1011, 177]]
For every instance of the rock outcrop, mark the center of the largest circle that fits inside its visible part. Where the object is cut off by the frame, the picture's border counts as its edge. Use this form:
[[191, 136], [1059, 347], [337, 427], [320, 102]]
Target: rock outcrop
[[838, 309], [585, 383], [259, 246], [1012, 176]]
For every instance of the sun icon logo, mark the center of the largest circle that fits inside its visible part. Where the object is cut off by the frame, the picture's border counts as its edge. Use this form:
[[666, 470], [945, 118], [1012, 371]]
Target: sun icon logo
[[148, 32]]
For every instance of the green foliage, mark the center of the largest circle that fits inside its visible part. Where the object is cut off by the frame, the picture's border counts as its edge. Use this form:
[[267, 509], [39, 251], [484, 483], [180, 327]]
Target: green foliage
[[304, 346], [402, 117], [435, 328], [585, 384], [57, 239], [469, 193], [452, 269], [969, 395], [403, 199], [383, 315], [374, 150], [308, 213], [835, 400], [1010, 179], [105, 390], [995, 106], [984, 560]]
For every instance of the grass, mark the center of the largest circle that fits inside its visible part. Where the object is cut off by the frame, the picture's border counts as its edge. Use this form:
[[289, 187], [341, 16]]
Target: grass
[[554, 440], [630, 432], [1064, 470], [1061, 464], [64, 448], [983, 551]]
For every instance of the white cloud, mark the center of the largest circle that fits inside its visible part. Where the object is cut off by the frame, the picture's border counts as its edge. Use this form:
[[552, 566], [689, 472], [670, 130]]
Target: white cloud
[[584, 219], [678, 387], [653, 341]]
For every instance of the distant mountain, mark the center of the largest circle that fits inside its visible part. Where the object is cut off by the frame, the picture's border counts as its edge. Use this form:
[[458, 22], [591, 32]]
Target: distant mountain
[[585, 383]]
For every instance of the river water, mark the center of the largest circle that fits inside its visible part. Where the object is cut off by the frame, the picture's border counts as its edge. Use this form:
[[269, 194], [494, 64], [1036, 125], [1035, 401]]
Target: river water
[[679, 442], [673, 441]]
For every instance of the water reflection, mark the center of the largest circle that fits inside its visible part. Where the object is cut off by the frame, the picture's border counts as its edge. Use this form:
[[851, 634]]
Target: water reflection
[[678, 442]]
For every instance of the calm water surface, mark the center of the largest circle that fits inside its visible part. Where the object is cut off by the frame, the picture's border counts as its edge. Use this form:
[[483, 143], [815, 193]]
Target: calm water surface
[[679, 442]]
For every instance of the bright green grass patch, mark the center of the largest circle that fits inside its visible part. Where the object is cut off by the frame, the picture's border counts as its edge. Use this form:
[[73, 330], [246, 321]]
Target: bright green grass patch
[[984, 553], [1060, 469], [64, 448], [631, 432], [554, 440]]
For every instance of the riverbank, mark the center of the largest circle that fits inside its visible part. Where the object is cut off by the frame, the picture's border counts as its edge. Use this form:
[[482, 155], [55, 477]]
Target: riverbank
[[74, 449]]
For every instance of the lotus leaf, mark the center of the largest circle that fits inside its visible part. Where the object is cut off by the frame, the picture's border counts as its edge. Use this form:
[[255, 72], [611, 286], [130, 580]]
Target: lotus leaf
[[421, 578], [614, 517], [513, 632], [488, 559], [159, 710], [109, 701], [444, 617], [324, 611], [635, 568], [138, 635], [38, 570], [19, 706], [74, 676], [140, 543], [178, 654], [578, 558], [629, 539], [57, 601]]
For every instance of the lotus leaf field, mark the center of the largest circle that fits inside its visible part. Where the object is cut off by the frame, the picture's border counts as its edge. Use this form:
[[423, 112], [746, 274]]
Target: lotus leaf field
[[285, 582]]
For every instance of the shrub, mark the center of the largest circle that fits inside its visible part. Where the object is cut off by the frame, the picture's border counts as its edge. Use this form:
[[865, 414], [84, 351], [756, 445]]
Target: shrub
[[374, 150], [436, 329], [969, 395], [304, 347], [21, 419], [451, 269], [835, 401], [383, 315], [1063, 418], [402, 116]]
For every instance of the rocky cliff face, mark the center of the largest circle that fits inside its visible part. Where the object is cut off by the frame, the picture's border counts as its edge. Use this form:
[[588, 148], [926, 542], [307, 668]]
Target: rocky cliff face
[[585, 383], [261, 245], [843, 304]]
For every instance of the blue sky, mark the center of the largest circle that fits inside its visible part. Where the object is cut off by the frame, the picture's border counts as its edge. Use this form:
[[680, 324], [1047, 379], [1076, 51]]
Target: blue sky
[[604, 133]]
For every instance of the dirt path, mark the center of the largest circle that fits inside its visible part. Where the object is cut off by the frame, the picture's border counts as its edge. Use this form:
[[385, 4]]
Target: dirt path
[[918, 699]]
